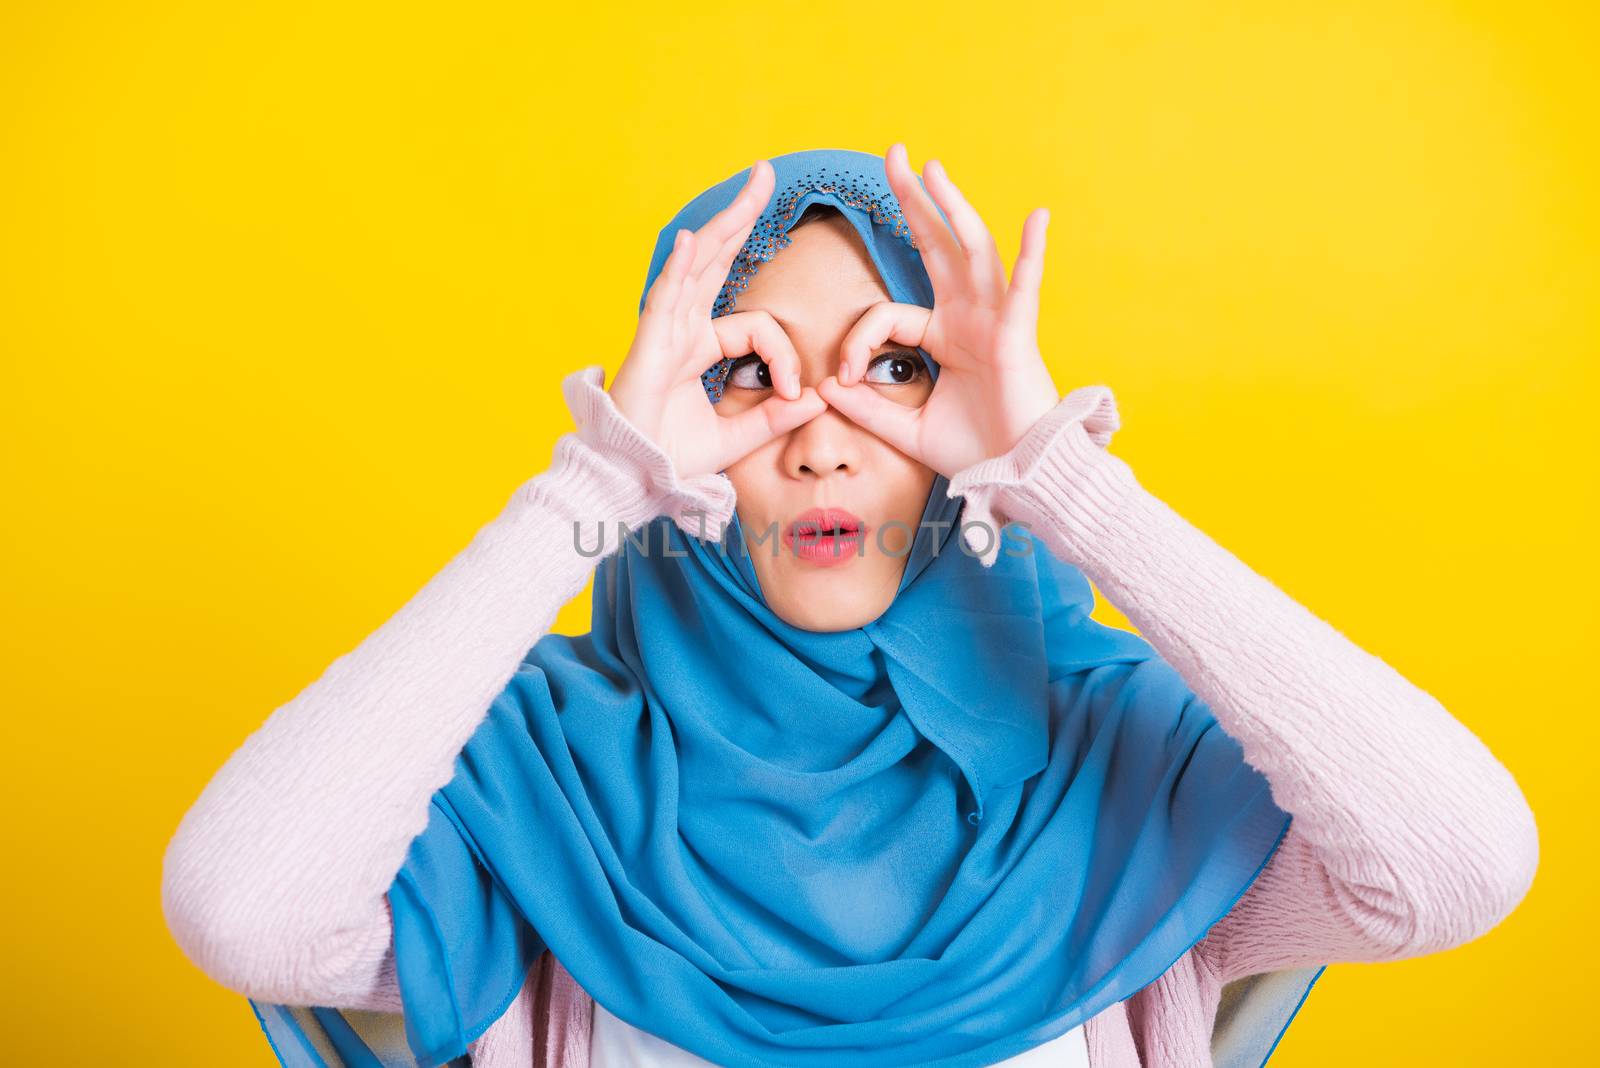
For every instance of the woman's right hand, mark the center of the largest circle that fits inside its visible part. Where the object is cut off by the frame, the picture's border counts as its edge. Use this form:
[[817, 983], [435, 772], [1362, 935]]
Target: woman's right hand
[[658, 387]]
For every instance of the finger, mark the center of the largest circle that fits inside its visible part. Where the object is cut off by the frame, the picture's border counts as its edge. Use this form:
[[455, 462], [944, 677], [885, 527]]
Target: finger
[[657, 330], [704, 286], [884, 321], [740, 333], [976, 241], [740, 215], [1022, 297], [867, 408], [663, 294], [744, 433], [939, 248]]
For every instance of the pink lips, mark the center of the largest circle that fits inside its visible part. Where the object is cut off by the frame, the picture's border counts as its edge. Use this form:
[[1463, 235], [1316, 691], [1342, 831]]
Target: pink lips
[[826, 537]]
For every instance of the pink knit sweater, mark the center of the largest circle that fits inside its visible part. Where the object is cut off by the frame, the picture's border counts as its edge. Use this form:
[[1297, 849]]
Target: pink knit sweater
[[1408, 835]]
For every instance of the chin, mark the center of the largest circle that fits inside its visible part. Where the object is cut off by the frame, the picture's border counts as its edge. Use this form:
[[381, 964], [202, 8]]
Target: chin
[[830, 599]]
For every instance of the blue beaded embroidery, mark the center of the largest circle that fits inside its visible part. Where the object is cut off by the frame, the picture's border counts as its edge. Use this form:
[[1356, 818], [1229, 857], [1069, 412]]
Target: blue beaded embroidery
[[770, 235]]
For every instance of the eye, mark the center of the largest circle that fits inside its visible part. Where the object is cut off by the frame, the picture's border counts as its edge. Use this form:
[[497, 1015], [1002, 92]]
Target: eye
[[749, 372], [894, 369]]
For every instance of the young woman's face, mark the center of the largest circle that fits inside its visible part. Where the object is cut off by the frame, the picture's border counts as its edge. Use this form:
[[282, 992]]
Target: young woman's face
[[830, 473]]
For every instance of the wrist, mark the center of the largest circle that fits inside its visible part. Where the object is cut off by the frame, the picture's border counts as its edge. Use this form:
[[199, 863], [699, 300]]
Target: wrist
[[1026, 393], [636, 412], [1021, 418]]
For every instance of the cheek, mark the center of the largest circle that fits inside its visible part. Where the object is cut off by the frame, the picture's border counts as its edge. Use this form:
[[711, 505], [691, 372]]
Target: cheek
[[902, 485], [757, 481]]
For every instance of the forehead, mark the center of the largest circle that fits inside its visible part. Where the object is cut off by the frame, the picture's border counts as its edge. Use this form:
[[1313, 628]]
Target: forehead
[[824, 265]]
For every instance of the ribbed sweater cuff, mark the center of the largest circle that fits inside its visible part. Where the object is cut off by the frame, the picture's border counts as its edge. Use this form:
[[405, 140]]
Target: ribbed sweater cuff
[[1058, 480], [609, 472]]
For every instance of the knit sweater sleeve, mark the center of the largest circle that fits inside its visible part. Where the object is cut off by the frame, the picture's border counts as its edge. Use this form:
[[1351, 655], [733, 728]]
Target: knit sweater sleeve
[[275, 881], [1407, 835]]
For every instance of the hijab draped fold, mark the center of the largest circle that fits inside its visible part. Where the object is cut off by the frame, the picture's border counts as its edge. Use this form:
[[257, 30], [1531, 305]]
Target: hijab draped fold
[[942, 838]]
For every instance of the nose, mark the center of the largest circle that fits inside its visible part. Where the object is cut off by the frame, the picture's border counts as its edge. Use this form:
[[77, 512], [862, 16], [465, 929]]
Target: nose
[[825, 447]]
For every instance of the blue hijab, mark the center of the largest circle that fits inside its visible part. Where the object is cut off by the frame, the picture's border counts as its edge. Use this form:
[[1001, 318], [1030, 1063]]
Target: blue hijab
[[942, 838]]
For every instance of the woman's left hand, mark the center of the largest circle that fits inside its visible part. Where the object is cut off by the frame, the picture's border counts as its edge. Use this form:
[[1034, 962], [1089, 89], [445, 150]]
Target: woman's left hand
[[993, 384]]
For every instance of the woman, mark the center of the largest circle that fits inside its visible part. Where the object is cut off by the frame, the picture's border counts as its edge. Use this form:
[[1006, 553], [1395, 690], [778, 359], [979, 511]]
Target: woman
[[843, 774]]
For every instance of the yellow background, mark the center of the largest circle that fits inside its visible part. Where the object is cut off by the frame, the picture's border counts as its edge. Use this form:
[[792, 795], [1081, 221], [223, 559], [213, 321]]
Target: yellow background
[[286, 290]]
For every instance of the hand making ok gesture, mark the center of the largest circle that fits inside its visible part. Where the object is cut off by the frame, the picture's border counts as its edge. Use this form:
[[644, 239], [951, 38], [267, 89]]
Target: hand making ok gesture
[[993, 384], [658, 387]]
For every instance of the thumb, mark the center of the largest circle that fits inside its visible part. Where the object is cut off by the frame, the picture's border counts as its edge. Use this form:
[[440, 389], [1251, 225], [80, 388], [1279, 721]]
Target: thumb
[[864, 406], [744, 433]]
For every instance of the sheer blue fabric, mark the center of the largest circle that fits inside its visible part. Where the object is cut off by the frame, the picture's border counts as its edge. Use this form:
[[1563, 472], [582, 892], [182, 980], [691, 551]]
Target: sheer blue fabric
[[941, 839]]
